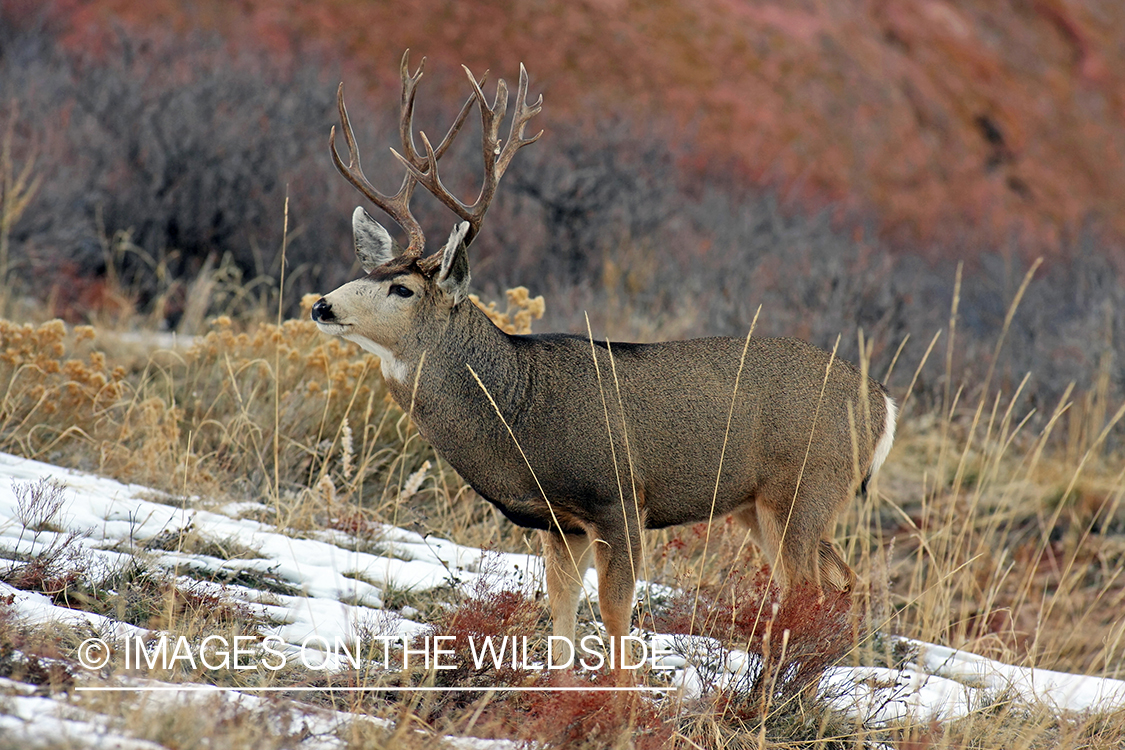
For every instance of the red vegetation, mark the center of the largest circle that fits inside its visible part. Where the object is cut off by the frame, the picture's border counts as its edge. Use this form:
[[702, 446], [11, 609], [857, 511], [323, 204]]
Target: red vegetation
[[794, 640], [548, 718], [487, 613], [938, 116], [590, 719]]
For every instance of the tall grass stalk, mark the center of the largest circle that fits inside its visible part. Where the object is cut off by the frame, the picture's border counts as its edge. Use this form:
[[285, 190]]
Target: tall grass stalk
[[277, 365], [17, 189]]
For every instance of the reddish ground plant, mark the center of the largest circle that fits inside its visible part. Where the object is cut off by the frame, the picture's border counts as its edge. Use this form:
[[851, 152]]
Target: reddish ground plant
[[50, 575], [589, 719], [503, 618], [549, 718], [52, 561], [791, 641], [29, 656], [493, 634]]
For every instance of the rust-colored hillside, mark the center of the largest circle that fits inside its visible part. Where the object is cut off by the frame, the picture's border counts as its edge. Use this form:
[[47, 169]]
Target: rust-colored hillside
[[939, 118]]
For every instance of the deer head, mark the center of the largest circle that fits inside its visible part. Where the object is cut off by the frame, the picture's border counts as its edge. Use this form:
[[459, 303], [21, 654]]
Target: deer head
[[407, 298]]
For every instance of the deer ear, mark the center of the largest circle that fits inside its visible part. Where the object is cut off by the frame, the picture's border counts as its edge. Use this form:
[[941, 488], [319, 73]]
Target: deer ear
[[373, 244], [453, 275]]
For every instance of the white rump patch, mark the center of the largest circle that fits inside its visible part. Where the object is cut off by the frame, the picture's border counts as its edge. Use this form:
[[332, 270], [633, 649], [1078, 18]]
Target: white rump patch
[[393, 369], [883, 447]]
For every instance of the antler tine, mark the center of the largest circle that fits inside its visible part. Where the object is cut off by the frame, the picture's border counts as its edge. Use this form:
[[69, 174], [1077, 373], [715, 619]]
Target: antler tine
[[396, 206], [496, 159], [497, 111], [478, 95], [455, 128], [406, 121], [522, 116], [406, 116]]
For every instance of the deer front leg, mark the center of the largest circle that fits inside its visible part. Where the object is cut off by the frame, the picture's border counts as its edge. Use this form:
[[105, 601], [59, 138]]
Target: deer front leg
[[565, 559], [617, 557]]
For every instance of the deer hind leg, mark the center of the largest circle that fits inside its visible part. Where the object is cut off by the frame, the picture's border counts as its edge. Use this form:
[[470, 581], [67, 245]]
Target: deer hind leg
[[799, 541], [565, 561]]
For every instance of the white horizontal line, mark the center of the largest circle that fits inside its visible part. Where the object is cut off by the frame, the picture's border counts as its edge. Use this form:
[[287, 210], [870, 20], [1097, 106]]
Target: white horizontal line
[[385, 689]]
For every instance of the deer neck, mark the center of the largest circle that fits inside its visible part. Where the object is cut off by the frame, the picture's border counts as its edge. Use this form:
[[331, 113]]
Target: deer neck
[[440, 391]]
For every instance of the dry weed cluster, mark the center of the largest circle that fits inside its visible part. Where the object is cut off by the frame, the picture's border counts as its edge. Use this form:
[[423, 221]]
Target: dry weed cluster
[[54, 399]]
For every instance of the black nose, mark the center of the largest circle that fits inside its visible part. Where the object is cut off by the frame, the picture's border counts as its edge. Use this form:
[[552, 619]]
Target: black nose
[[322, 312]]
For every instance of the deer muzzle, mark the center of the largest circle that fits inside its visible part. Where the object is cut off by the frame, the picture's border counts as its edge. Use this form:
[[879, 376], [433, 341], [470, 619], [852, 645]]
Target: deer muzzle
[[322, 312]]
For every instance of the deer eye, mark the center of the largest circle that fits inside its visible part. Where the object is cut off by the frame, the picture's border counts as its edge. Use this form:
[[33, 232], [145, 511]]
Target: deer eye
[[401, 291]]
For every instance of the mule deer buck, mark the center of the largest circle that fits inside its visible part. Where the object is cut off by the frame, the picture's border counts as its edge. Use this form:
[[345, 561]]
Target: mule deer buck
[[591, 441]]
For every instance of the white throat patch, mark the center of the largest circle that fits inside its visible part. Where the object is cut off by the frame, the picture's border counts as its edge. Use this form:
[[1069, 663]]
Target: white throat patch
[[393, 369]]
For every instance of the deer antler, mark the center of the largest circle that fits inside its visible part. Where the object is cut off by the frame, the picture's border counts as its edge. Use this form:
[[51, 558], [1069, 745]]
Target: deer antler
[[496, 157], [397, 206]]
